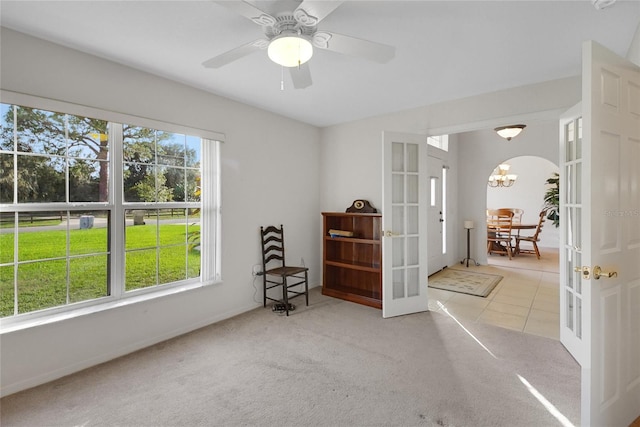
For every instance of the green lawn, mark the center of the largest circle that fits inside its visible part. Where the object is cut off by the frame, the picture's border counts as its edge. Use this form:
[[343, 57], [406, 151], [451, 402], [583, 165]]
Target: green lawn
[[42, 281]]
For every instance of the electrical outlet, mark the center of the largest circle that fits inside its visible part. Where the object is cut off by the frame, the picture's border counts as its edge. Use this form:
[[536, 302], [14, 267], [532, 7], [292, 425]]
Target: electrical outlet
[[256, 270]]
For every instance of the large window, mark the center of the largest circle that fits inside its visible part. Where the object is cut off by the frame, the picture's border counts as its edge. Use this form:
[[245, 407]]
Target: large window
[[94, 210]]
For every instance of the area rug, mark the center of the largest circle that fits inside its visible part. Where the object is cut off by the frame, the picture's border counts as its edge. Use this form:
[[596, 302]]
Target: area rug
[[465, 282]]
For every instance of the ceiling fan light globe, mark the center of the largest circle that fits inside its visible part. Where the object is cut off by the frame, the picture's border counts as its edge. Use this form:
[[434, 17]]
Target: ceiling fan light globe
[[290, 51]]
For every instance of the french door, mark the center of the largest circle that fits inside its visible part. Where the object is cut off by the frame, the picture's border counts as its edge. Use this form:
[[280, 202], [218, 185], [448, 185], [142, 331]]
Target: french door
[[404, 219], [600, 237]]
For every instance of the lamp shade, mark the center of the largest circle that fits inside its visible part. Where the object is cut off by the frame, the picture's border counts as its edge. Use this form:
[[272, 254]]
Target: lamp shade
[[468, 224], [290, 51]]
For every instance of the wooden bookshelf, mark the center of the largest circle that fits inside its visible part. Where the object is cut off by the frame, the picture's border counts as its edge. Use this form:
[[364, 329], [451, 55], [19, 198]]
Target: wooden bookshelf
[[352, 266]]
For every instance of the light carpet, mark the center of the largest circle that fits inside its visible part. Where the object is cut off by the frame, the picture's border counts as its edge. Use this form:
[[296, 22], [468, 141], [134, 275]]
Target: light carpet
[[332, 364], [465, 282]]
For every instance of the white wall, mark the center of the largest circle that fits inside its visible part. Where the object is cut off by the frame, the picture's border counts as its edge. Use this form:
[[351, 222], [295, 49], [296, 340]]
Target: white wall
[[481, 151], [528, 194], [270, 175], [351, 162]]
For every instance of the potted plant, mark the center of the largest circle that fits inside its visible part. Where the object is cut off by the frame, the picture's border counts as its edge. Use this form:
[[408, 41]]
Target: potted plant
[[552, 199]]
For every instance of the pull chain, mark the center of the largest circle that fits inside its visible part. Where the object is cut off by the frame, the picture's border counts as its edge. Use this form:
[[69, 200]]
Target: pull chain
[[281, 78]]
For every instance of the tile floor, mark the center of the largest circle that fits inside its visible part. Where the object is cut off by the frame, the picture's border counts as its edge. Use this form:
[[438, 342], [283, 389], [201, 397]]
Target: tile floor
[[527, 299]]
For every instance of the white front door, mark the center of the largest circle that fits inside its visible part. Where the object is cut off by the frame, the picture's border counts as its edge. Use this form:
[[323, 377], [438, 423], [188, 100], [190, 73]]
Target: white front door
[[436, 217], [600, 238], [404, 222]]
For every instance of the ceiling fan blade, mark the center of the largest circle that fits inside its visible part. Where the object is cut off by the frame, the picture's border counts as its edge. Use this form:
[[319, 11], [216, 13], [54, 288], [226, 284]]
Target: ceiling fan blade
[[249, 11], [301, 76], [309, 13], [235, 54], [354, 46]]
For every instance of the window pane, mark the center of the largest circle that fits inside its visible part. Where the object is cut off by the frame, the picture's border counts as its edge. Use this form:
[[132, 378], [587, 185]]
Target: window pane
[[173, 264], [193, 185], [85, 181], [40, 132], [89, 232], [42, 285], [6, 291], [42, 235], [41, 179], [138, 144], [141, 230], [6, 127], [193, 152], [171, 149], [140, 271], [88, 278], [6, 178], [171, 184]]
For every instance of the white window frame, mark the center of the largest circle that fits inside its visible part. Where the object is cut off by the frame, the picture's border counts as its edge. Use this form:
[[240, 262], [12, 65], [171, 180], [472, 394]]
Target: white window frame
[[210, 271]]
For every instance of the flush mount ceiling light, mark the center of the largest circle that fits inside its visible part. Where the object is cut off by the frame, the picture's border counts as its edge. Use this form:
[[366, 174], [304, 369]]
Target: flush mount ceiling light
[[290, 50], [511, 131]]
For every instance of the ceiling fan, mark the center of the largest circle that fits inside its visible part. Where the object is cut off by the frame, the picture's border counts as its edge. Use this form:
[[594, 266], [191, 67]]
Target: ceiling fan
[[290, 35]]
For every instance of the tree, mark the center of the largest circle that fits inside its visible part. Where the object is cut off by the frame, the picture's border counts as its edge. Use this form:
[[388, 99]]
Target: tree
[[52, 136]]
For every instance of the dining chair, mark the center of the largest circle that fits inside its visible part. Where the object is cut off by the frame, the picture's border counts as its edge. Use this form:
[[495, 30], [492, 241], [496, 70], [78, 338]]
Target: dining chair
[[499, 232], [534, 239]]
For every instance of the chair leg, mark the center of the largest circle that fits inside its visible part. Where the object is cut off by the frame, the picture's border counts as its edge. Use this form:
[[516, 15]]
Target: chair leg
[[535, 246], [285, 294], [264, 290], [306, 288]]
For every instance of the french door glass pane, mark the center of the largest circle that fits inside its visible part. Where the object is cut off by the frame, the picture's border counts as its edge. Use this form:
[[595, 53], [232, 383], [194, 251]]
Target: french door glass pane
[[397, 157], [413, 282], [398, 252], [412, 188], [413, 255], [398, 189], [398, 219], [570, 136], [412, 157], [412, 220], [398, 284], [569, 309]]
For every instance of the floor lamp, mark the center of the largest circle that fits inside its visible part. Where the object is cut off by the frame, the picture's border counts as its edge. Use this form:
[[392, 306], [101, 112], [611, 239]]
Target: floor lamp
[[468, 225]]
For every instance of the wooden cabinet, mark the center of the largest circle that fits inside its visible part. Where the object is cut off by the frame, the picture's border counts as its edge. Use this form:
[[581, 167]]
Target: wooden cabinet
[[352, 266]]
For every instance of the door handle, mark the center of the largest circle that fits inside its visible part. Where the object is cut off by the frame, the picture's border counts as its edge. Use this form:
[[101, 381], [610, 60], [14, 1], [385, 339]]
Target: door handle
[[389, 233], [598, 273]]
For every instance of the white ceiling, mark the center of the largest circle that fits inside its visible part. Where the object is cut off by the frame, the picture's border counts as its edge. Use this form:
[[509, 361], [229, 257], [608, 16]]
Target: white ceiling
[[444, 49]]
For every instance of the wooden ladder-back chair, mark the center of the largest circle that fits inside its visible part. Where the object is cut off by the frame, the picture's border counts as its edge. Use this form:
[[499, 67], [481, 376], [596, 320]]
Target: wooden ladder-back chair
[[276, 273], [534, 239], [517, 215], [499, 232]]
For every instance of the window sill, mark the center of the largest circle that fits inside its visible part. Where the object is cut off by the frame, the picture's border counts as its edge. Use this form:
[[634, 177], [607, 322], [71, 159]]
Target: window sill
[[12, 325]]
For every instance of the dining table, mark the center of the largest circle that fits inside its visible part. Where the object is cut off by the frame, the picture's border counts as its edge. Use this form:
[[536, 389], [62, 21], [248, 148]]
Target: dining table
[[516, 226]]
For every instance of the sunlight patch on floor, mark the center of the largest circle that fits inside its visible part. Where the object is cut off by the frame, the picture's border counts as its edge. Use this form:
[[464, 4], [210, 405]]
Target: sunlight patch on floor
[[444, 310], [548, 405]]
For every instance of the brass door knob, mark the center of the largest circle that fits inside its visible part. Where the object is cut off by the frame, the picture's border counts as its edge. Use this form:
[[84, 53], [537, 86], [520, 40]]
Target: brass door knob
[[597, 273]]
